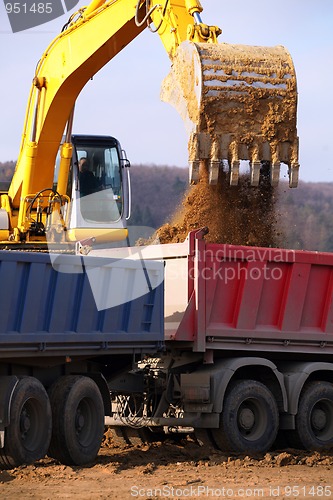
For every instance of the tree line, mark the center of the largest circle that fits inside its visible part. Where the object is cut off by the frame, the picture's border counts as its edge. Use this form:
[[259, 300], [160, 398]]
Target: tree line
[[304, 216]]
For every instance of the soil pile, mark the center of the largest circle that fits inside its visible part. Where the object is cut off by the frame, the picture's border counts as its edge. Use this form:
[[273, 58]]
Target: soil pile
[[239, 215], [174, 469]]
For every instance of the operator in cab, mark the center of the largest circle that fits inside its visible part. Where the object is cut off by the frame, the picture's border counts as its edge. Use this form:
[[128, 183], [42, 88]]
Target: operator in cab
[[88, 182]]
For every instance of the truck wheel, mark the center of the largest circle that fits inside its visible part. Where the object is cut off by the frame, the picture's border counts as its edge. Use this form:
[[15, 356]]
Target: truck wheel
[[28, 434], [314, 419], [78, 420], [249, 420]]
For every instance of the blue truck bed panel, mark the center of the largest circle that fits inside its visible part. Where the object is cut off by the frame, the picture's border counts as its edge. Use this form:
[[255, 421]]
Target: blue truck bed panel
[[74, 303]]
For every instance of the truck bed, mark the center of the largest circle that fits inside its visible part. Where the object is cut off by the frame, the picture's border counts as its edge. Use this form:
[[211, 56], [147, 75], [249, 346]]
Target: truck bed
[[69, 305], [217, 297], [226, 297]]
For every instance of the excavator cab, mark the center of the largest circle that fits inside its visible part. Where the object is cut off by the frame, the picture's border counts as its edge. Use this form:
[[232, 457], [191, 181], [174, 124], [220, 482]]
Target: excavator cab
[[99, 189], [89, 198]]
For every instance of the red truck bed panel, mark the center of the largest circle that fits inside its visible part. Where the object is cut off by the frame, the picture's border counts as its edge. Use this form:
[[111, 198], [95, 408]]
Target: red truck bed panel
[[255, 298]]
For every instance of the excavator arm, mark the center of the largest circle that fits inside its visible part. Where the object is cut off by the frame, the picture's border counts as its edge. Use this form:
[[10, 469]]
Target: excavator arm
[[230, 97], [72, 58], [94, 36]]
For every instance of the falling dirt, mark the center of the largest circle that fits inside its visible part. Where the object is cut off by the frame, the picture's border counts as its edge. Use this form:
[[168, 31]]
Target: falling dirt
[[239, 215], [182, 468]]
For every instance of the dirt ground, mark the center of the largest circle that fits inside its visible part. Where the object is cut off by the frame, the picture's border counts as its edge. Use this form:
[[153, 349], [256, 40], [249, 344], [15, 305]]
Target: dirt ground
[[184, 468]]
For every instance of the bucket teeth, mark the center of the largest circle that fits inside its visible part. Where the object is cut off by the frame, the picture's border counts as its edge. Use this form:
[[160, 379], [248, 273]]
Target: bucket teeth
[[194, 168], [275, 173], [293, 175], [214, 164], [234, 172], [214, 168], [255, 173]]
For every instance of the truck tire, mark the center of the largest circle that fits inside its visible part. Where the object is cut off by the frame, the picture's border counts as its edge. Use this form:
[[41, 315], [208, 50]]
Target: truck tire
[[28, 434], [314, 419], [78, 420], [249, 420]]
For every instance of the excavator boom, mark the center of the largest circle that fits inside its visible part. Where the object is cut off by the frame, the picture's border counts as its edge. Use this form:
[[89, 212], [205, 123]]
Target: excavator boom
[[238, 102]]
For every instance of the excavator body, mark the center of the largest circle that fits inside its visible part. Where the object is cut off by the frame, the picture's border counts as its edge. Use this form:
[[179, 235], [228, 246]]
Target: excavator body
[[237, 102]]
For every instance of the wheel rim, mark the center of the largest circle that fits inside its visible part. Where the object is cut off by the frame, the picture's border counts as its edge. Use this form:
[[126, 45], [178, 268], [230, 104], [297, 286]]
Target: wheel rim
[[31, 420], [321, 420], [85, 422], [251, 419]]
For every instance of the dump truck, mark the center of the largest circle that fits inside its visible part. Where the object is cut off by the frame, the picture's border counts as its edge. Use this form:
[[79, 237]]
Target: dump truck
[[233, 343], [238, 103], [87, 337]]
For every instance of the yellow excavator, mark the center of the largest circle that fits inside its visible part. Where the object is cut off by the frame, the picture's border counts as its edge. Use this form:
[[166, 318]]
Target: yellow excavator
[[237, 102]]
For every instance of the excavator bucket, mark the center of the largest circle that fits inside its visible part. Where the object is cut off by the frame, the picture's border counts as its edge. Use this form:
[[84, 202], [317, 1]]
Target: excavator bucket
[[238, 103]]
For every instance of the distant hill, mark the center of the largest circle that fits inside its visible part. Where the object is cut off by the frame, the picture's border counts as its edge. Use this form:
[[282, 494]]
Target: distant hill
[[6, 173], [304, 215], [157, 192]]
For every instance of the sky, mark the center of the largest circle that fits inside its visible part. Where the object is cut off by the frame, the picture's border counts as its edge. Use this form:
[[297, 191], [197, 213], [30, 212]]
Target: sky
[[123, 99]]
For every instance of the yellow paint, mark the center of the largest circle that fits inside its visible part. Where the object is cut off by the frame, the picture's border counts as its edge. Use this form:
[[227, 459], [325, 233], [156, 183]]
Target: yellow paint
[[101, 235], [72, 58]]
